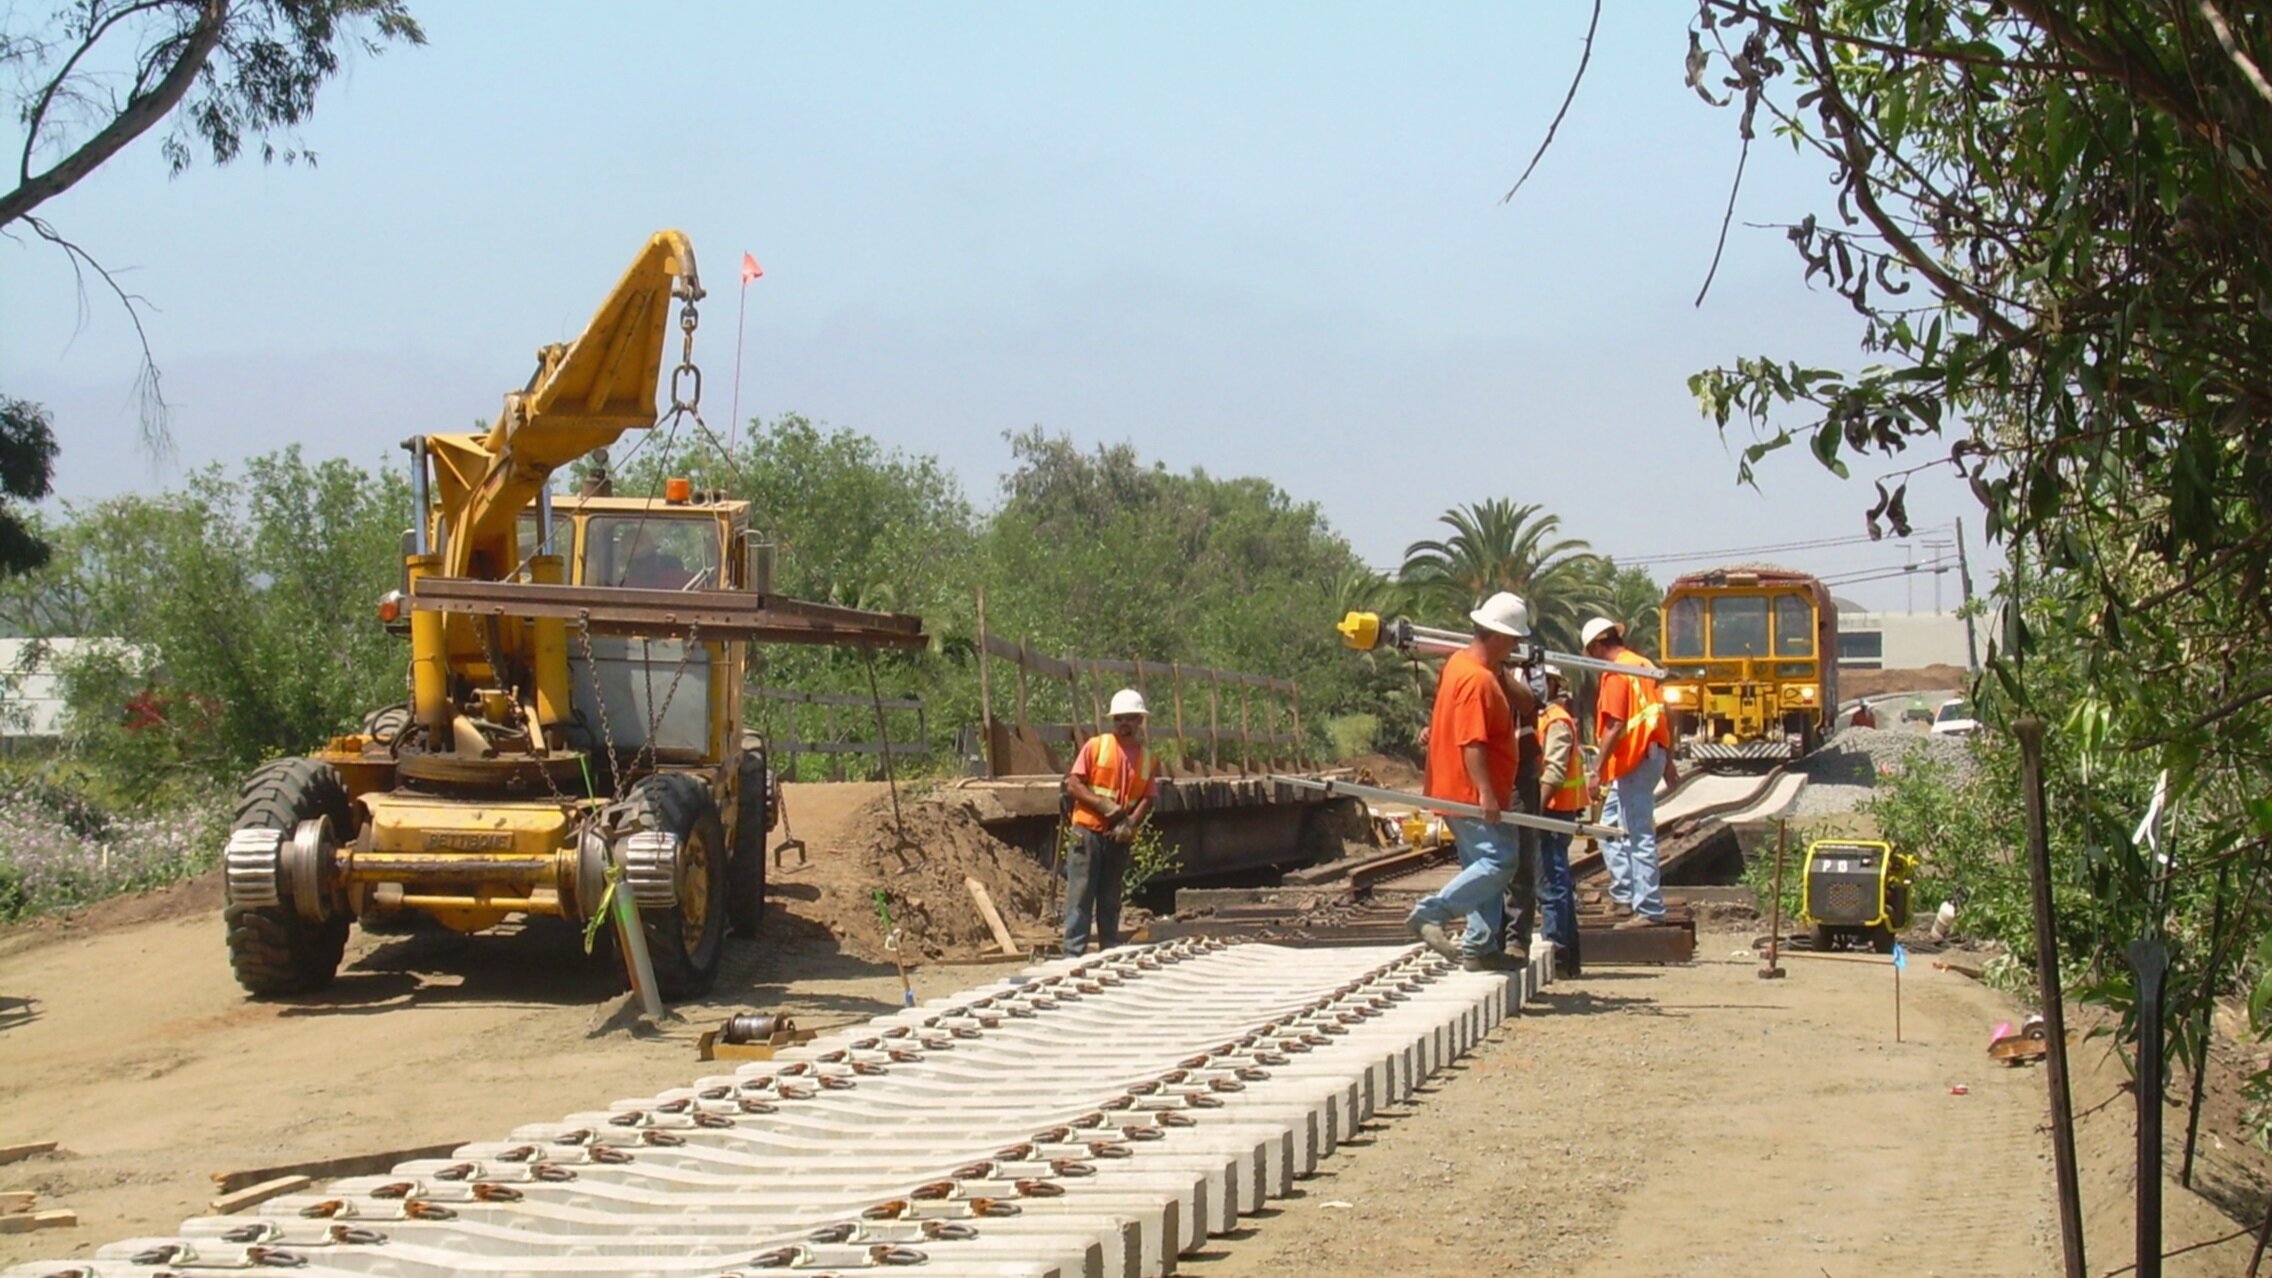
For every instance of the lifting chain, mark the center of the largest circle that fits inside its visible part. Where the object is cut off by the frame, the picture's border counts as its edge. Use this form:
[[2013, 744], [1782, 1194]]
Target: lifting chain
[[646, 753], [686, 379]]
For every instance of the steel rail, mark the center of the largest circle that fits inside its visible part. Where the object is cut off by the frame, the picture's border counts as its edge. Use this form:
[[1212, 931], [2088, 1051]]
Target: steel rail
[[1448, 806]]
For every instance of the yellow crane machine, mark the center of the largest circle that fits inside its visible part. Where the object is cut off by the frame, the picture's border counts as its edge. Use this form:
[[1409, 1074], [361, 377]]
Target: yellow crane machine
[[575, 716]]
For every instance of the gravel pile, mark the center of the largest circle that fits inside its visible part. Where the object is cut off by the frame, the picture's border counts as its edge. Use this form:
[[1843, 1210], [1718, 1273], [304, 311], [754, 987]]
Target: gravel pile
[[1844, 773]]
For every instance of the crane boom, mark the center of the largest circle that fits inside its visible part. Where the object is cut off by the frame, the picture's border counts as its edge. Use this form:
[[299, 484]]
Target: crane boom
[[584, 395]]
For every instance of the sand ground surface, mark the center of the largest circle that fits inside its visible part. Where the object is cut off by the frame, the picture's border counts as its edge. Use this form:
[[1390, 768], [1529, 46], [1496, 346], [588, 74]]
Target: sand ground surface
[[1683, 1120]]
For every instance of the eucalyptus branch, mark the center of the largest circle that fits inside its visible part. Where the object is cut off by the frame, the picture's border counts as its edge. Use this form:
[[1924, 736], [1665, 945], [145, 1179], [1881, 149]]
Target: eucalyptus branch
[[1585, 57]]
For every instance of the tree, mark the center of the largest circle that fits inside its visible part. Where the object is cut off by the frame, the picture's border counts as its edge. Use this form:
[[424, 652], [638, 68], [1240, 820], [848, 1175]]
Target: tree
[[94, 75], [27, 465], [248, 71], [1498, 545], [2052, 218], [245, 606]]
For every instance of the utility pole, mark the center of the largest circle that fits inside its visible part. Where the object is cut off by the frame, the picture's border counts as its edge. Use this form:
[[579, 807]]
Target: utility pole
[[1964, 583]]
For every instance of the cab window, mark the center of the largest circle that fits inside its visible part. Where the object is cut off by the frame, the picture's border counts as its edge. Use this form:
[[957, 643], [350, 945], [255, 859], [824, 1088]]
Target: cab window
[[1739, 626], [1794, 627], [651, 552], [563, 534], [1684, 629]]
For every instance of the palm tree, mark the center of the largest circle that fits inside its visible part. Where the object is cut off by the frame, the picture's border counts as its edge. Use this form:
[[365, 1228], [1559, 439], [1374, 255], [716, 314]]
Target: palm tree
[[1499, 545], [1630, 597]]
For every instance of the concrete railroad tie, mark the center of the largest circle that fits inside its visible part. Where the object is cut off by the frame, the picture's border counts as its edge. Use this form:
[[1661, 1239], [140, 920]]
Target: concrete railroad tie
[[1087, 1118]]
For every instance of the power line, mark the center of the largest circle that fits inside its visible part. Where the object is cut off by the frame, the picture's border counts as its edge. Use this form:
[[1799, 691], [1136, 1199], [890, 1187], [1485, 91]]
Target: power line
[[1817, 543]]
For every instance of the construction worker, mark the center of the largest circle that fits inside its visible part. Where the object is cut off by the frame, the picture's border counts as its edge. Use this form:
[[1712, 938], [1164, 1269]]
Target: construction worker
[[1112, 789], [1472, 756], [1864, 717], [1562, 778], [1634, 741]]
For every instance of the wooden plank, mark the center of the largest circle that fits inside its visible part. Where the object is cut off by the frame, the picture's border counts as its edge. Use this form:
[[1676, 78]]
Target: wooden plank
[[18, 1153], [992, 916], [254, 1195], [25, 1222], [323, 1168], [17, 1200]]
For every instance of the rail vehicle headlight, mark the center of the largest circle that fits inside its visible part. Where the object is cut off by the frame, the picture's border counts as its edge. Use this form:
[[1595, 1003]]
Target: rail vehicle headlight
[[1807, 693], [1675, 696]]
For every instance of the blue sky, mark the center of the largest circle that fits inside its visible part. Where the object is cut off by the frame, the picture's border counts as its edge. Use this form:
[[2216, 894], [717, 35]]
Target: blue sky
[[1258, 238]]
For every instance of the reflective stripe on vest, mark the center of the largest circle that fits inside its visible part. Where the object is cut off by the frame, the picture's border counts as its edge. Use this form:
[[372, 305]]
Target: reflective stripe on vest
[[1646, 728], [1571, 794], [1112, 776]]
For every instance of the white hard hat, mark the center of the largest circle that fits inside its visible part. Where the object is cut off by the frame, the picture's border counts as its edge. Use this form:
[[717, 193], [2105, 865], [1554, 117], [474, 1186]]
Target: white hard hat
[[1128, 701], [1595, 629], [1555, 672], [1504, 612]]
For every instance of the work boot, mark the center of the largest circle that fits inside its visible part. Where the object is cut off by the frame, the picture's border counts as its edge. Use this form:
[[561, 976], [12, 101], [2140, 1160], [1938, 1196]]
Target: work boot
[[1497, 962], [1434, 937]]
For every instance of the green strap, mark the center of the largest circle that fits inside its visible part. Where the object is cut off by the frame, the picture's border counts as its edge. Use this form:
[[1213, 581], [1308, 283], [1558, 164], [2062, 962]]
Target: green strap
[[605, 911]]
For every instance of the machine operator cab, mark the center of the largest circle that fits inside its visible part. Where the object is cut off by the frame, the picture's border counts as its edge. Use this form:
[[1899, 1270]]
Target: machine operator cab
[[664, 545]]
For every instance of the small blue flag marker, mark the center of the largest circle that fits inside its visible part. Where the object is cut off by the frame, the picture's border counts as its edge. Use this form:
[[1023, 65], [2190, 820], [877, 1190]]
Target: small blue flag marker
[[1900, 961]]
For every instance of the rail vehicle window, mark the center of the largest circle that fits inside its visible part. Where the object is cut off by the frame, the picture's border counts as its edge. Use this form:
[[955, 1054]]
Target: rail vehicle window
[[1794, 627], [1739, 626], [1684, 629], [652, 552]]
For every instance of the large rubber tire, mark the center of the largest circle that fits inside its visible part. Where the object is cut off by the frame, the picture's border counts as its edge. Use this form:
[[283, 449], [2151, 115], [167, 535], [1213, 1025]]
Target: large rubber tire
[[385, 725], [745, 872], [685, 942], [1823, 939], [272, 948]]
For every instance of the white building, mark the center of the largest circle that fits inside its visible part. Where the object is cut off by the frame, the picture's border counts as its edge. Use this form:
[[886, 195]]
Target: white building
[[31, 689], [1900, 640]]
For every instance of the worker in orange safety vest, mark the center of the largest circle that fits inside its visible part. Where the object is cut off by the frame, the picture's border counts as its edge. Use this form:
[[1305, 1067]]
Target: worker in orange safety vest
[[1112, 788], [1562, 781], [1633, 735]]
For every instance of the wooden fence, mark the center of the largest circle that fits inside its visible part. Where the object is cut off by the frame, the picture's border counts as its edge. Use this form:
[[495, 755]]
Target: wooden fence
[[785, 738], [1220, 722]]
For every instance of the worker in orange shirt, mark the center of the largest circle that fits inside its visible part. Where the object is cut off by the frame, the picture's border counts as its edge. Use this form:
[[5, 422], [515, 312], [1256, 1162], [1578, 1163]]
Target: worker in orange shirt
[[1634, 739], [1472, 755], [1112, 789], [1562, 779]]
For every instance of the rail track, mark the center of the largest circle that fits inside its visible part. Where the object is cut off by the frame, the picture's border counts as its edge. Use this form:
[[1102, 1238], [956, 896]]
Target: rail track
[[1364, 902]]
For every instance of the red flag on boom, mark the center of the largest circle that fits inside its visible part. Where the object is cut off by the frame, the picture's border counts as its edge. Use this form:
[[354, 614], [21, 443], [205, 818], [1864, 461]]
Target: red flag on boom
[[750, 269]]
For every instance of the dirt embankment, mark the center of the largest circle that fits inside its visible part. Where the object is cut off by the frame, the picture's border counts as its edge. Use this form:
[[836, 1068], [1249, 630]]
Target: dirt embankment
[[918, 858], [1886, 683]]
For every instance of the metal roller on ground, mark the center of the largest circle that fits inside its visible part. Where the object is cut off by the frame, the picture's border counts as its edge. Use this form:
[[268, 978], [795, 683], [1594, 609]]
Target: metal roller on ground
[[1086, 1118]]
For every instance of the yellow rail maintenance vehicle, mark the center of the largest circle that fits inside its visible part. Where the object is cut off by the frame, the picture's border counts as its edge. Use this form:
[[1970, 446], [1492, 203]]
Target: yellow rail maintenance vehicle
[[1752, 654], [574, 727]]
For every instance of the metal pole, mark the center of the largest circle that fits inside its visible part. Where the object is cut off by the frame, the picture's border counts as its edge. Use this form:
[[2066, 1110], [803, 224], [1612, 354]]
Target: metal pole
[[1964, 583], [1452, 807], [2208, 1005], [2029, 730], [421, 542], [2149, 958], [985, 693], [1772, 972]]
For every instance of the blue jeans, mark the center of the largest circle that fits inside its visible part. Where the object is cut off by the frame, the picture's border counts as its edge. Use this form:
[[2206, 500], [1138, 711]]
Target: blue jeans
[[1634, 878], [1093, 873], [1557, 904], [1489, 856]]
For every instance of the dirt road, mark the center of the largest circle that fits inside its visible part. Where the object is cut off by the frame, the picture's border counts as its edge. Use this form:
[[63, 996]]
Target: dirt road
[[1699, 1121], [1670, 1121]]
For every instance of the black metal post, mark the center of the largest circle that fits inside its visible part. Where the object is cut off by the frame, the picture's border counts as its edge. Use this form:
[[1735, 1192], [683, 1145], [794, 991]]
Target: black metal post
[[2149, 958], [2208, 1006], [2029, 730]]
